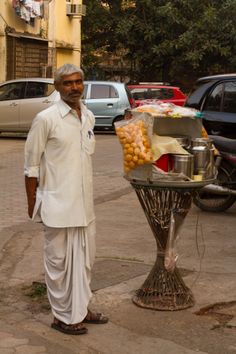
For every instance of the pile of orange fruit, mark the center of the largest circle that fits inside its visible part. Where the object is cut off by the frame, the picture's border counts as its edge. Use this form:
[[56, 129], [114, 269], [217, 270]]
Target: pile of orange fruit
[[134, 139]]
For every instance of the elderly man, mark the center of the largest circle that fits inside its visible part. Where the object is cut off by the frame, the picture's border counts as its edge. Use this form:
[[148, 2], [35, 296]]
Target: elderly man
[[58, 180]]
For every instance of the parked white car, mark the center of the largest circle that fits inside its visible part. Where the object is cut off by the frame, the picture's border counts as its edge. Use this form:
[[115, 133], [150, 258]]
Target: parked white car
[[21, 100]]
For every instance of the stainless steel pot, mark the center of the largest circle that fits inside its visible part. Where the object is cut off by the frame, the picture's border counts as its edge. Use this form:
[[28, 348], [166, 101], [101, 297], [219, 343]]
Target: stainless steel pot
[[201, 142], [182, 164], [203, 151]]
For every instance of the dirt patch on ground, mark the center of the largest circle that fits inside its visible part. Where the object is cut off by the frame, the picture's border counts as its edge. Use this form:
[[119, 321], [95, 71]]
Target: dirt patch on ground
[[35, 295], [222, 312]]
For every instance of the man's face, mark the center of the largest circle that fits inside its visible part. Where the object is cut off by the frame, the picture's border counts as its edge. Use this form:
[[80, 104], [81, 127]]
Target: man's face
[[70, 88]]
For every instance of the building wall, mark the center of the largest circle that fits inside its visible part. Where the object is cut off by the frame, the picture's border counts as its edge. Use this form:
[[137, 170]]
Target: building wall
[[12, 20], [9, 21], [62, 32], [65, 33]]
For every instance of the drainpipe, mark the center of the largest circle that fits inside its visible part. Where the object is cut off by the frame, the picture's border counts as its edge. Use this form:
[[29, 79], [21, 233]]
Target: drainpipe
[[75, 10], [76, 38]]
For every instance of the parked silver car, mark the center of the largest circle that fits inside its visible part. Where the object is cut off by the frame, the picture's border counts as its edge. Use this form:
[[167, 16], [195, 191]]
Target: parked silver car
[[108, 101], [22, 99]]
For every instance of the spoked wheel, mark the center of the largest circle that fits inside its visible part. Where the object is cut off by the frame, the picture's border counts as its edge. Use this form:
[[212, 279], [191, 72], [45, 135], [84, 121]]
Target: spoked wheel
[[216, 202]]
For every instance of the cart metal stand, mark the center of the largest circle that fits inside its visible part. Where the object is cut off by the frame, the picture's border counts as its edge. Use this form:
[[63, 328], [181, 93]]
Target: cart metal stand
[[163, 289]]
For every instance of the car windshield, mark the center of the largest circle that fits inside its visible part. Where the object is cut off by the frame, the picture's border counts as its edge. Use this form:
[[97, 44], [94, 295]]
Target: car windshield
[[198, 85], [197, 93], [152, 93]]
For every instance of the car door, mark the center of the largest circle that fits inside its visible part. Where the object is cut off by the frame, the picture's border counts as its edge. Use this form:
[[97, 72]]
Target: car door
[[10, 102], [102, 100], [219, 110], [38, 96]]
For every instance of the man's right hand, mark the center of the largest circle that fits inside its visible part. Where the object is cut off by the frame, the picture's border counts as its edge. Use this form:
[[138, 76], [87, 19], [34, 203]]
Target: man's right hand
[[31, 205], [31, 184]]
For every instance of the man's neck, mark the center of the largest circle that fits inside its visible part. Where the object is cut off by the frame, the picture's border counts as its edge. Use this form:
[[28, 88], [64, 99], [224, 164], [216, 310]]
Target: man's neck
[[75, 106]]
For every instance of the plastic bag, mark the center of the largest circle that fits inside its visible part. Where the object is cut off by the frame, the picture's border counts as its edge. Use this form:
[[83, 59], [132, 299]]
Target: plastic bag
[[176, 221], [165, 109], [135, 138]]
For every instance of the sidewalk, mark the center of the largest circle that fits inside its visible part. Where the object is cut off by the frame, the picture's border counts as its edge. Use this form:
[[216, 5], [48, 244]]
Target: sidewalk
[[126, 250]]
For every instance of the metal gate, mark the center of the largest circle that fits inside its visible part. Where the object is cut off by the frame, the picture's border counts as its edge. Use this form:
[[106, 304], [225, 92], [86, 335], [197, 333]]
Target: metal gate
[[29, 57]]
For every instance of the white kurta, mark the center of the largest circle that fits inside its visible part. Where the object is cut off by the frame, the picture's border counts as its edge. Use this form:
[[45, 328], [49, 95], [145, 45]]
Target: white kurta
[[58, 152]]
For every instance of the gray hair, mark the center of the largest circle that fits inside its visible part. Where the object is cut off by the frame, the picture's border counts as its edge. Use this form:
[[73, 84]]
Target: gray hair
[[67, 69]]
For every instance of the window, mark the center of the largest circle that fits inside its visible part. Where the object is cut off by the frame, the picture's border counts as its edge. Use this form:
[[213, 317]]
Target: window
[[12, 91], [140, 93], [229, 104], [103, 91], [160, 93], [156, 93], [85, 91], [167, 94], [38, 89], [213, 102]]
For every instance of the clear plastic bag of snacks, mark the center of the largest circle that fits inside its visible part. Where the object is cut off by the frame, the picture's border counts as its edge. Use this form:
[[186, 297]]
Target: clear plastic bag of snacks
[[166, 109], [135, 137]]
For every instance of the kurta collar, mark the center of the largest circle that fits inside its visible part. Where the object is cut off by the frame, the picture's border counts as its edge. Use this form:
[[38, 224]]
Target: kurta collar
[[64, 109]]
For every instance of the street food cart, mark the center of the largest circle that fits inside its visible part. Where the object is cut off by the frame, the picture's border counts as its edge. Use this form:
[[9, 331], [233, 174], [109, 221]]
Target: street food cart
[[165, 174]]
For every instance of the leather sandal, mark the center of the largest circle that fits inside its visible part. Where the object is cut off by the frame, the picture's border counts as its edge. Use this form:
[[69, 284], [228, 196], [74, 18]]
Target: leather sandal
[[73, 329], [95, 318]]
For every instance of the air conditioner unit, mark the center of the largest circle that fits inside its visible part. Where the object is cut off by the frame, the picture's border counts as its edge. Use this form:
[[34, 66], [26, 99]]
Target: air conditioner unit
[[75, 9]]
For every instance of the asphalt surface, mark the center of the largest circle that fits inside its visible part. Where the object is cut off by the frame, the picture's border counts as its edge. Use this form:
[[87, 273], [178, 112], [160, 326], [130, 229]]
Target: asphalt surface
[[126, 252]]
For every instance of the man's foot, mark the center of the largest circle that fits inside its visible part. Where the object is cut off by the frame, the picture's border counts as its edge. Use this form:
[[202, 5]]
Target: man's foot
[[74, 329], [95, 318]]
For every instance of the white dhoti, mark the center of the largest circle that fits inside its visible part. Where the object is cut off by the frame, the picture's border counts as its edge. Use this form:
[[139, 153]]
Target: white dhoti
[[69, 254]]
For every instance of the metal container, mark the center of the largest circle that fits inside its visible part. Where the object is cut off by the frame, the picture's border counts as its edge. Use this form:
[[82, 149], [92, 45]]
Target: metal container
[[183, 140], [201, 142], [203, 152], [182, 164]]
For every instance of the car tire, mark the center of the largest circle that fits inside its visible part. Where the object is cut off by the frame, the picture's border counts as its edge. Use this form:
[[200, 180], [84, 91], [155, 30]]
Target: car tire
[[213, 202], [216, 132], [117, 119]]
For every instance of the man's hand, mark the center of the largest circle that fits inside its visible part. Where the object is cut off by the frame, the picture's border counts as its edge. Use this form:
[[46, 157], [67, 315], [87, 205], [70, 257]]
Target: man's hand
[[31, 184], [31, 204]]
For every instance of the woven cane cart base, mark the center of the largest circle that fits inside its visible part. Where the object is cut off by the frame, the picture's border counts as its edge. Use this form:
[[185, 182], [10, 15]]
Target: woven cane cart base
[[163, 289]]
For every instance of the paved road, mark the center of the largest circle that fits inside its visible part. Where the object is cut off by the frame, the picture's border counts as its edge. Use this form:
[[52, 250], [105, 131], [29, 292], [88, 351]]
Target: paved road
[[126, 251]]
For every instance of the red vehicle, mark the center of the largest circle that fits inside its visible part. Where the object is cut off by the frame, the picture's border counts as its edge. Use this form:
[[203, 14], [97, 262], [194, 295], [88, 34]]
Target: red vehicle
[[149, 93]]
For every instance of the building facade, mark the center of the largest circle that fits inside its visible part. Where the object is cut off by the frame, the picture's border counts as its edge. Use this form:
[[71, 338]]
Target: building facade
[[36, 36]]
